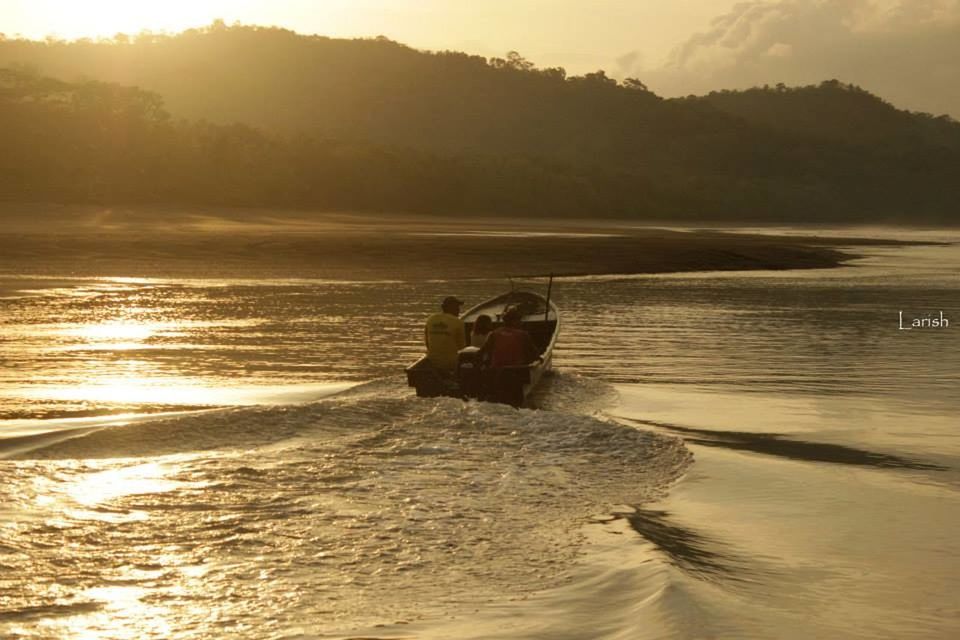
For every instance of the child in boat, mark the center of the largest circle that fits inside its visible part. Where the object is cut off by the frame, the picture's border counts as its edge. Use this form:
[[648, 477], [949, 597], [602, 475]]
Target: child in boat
[[481, 330]]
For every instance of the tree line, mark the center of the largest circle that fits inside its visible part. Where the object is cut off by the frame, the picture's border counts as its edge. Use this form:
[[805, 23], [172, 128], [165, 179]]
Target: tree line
[[252, 116]]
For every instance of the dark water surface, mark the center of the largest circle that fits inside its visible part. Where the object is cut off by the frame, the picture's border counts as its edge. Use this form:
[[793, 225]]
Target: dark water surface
[[180, 459]]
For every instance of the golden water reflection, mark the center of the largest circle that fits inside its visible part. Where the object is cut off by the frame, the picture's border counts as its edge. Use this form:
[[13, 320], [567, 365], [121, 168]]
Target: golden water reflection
[[131, 381], [125, 381], [99, 488], [120, 613], [118, 331], [135, 390], [141, 594]]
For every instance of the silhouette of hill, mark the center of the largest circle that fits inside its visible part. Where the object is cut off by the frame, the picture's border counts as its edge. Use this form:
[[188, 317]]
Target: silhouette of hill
[[836, 111], [375, 125]]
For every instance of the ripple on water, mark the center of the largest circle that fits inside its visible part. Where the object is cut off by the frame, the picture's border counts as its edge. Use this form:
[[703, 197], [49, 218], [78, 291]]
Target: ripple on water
[[371, 506]]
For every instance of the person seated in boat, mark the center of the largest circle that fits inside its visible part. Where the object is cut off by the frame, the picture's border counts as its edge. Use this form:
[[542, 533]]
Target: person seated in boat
[[510, 345], [481, 330], [445, 335]]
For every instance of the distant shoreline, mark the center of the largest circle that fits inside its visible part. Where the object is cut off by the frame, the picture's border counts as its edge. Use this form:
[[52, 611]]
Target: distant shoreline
[[107, 242]]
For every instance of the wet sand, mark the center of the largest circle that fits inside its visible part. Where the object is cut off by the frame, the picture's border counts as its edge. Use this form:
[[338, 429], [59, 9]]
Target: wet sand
[[243, 244]]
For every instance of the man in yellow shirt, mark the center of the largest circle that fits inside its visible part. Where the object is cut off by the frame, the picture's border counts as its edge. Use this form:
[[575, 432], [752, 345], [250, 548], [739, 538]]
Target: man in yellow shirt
[[445, 335]]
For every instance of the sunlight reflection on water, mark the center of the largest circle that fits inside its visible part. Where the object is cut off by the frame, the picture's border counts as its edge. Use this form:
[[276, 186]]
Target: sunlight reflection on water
[[161, 343], [98, 488], [137, 390], [306, 510]]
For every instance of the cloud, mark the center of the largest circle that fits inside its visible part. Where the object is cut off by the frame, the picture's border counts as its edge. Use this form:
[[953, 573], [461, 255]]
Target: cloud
[[628, 62], [906, 51]]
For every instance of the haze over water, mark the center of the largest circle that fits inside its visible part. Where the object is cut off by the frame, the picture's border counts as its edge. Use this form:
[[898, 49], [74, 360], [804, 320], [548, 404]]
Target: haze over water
[[729, 455]]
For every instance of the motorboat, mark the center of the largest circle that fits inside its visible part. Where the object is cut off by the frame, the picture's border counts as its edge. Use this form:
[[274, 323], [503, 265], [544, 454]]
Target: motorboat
[[474, 378]]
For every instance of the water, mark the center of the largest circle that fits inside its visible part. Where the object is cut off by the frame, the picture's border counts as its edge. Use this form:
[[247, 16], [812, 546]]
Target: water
[[739, 455]]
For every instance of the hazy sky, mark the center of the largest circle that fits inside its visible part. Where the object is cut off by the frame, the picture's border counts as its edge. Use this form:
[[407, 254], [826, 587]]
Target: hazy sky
[[907, 51]]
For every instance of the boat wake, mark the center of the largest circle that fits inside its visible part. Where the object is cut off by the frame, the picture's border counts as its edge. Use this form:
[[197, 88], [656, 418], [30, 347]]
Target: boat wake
[[369, 506]]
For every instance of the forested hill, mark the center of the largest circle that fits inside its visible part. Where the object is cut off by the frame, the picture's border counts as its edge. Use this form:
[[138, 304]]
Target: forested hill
[[375, 90], [833, 111], [372, 124]]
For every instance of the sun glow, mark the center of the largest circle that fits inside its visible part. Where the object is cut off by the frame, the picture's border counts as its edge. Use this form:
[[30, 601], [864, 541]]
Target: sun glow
[[106, 18]]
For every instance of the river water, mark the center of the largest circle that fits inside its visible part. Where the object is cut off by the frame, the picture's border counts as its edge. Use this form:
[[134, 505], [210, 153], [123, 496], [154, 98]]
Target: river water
[[718, 455]]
